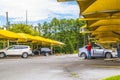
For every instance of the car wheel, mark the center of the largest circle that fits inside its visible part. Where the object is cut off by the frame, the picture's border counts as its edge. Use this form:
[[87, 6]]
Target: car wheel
[[24, 55], [2, 55], [108, 55], [46, 54], [83, 55]]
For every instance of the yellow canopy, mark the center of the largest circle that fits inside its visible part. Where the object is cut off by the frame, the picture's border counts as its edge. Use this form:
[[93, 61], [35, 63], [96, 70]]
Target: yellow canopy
[[99, 9], [27, 37], [106, 22], [33, 38], [103, 18], [103, 6], [84, 26], [38, 39], [84, 4], [9, 35], [107, 28], [104, 35], [108, 40], [57, 43]]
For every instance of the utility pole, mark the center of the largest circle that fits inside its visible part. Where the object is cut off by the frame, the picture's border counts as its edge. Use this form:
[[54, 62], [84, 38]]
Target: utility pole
[[26, 17], [7, 25], [7, 22]]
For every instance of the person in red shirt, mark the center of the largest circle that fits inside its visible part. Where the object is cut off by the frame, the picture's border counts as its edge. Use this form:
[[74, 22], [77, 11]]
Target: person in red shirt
[[89, 50]]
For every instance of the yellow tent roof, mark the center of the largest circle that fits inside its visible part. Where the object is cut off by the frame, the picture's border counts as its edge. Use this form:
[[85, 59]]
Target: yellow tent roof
[[57, 43], [33, 38], [84, 26], [108, 28], [108, 40], [9, 35], [99, 9], [106, 22], [38, 39], [27, 37], [103, 18], [84, 4], [104, 35], [103, 6]]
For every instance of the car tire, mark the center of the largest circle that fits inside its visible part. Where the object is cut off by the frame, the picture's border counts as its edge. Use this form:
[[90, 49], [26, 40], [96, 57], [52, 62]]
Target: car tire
[[108, 55], [83, 55], [2, 55], [46, 54], [25, 55]]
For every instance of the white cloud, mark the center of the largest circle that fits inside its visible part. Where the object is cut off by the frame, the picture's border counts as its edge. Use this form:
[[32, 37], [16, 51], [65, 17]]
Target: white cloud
[[37, 9]]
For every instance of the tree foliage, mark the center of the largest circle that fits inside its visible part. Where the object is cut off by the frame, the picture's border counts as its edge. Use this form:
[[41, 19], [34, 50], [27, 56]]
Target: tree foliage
[[63, 30], [66, 31], [23, 28]]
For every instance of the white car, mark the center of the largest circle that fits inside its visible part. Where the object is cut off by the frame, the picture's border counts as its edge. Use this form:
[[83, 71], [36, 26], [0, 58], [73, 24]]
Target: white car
[[97, 51], [22, 50]]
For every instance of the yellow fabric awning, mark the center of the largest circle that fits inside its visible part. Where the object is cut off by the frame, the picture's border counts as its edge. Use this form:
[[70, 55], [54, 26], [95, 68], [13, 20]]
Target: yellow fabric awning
[[9, 35], [38, 39], [104, 35], [108, 40], [85, 26], [84, 4], [27, 37], [103, 6], [99, 9], [106, 22], [108, 28], [103, 18]]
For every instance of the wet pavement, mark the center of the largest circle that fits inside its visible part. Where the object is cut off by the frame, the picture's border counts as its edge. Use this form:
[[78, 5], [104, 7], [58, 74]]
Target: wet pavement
[[62, 67]]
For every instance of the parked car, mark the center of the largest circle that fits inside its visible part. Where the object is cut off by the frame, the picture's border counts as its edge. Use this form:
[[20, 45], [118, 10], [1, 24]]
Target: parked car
[[42, 51], [22, 50], [97, 51]]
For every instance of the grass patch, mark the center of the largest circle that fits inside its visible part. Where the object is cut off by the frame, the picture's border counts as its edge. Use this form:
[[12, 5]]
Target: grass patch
[[74, 75], [113, 78]]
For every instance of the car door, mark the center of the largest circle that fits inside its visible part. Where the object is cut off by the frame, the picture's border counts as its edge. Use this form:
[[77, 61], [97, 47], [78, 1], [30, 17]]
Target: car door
[[98, 51], [13, 50], [10, 50]]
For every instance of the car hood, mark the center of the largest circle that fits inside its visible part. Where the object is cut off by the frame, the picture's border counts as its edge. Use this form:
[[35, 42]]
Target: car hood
[[111, 50]]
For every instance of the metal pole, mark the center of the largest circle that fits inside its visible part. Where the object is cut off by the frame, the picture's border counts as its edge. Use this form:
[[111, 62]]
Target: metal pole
[[84, 40], [7, 22], [26, 17], [8, 44]]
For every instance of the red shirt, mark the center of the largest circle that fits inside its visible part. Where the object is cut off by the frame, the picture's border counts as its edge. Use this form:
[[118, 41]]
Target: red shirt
[[88, 47]]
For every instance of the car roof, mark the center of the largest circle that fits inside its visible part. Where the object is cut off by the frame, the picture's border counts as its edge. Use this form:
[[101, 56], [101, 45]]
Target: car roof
[[21, 45]]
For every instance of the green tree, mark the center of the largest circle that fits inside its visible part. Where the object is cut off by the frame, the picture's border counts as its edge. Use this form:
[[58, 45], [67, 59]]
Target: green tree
[[66, 31], [23, 28]]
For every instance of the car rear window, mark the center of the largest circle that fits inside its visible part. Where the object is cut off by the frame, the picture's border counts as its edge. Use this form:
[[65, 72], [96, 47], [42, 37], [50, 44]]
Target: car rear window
[[45, 49]]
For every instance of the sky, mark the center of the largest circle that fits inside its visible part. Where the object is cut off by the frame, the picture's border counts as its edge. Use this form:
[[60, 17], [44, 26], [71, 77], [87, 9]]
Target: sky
[[38, 11]]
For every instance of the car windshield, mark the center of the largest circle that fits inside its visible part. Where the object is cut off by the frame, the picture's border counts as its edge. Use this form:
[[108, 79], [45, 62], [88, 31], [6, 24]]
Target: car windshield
[[11, 47], [7, 47]]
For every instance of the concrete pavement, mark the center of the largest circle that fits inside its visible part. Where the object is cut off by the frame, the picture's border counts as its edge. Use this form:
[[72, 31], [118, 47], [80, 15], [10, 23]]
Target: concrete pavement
[[62, 67]]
